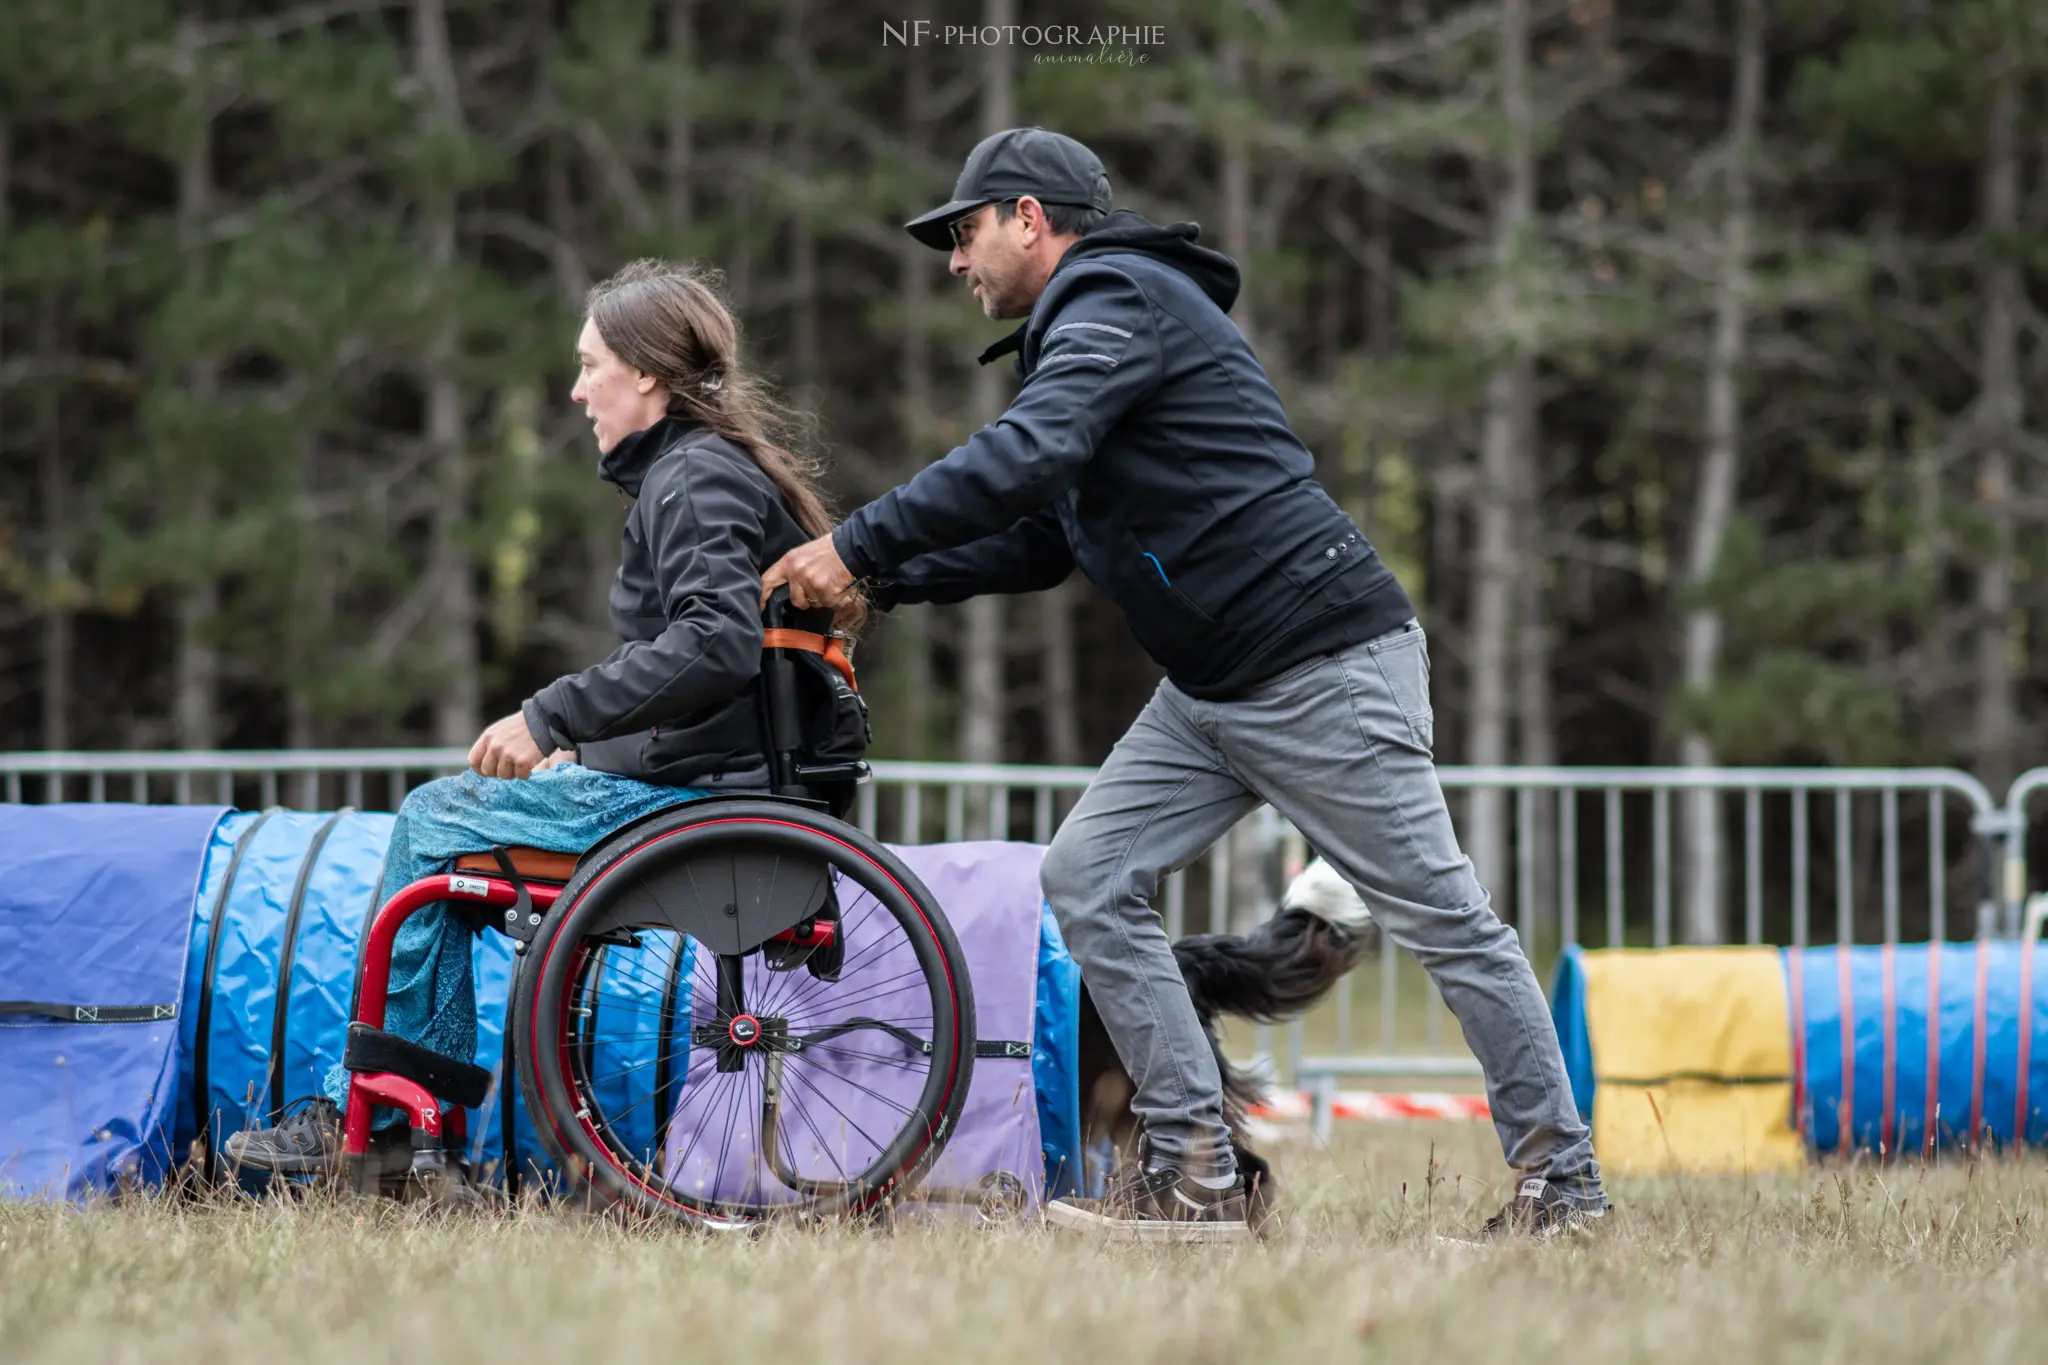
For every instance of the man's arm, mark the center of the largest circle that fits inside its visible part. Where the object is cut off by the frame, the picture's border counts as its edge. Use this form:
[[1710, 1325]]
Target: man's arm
[[1029, 557], [1101, 356], [704, 529]]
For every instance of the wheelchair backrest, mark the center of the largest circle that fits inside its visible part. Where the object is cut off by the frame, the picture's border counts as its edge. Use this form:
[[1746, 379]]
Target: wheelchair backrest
[[815, 724]]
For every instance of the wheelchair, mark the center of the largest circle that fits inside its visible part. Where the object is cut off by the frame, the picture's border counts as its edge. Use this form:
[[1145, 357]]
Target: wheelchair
[[811, 1014]]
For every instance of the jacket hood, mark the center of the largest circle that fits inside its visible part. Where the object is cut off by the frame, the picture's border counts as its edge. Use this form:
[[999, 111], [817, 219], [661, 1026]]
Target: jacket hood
[[1177, 244], [626, 464]]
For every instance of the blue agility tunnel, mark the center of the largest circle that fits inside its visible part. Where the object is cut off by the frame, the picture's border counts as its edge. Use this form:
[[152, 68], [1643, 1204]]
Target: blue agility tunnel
[[203, 963], [271, 967], [1919, 1046]]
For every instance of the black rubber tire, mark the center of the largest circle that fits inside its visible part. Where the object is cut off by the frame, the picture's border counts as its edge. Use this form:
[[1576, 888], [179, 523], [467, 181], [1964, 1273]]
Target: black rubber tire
[[595, 1174]]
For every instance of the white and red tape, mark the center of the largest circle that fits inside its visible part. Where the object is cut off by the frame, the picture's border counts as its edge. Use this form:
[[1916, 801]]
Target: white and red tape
[[1292, 1106]]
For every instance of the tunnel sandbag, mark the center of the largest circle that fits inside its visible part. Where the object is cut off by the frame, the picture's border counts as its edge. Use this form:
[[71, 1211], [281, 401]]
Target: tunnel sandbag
[[1681, 1059], [95, 910], [1944, 1044]]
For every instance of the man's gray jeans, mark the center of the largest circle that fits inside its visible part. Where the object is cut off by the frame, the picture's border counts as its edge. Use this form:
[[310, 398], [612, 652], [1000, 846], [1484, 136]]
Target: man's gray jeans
[[1340, 745]]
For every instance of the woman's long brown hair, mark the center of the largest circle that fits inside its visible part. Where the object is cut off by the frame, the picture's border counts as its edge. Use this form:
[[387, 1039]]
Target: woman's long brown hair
[[668, 320]]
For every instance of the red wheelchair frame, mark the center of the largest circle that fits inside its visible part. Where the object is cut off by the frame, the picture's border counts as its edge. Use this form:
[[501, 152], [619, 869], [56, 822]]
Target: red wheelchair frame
[[367, 1089]]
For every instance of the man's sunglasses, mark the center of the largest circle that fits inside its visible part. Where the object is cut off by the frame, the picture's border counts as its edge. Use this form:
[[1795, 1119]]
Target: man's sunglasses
[[962, 227]]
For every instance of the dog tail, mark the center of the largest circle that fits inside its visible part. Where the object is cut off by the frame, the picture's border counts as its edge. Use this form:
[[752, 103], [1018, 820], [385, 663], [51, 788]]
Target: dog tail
[[1283, 967], [1277, 971]]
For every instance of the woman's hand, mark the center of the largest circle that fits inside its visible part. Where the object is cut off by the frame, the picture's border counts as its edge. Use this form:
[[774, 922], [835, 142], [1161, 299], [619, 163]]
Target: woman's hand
[[555, 760], [506, 749]]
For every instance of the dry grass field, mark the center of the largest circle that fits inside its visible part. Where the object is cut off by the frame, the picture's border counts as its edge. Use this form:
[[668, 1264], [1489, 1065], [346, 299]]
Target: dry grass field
[[1860, 1264]]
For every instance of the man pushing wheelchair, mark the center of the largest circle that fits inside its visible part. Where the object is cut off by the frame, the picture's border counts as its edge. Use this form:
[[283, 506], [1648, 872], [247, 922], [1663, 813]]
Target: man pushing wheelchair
[[1147, 448]]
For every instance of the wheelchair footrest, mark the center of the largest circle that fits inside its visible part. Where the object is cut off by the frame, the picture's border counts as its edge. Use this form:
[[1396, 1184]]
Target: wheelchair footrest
[[372, 1049]]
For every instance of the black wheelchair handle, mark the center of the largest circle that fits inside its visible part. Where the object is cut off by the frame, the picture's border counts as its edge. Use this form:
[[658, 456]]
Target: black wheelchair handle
[[783, 614], [779, 609]]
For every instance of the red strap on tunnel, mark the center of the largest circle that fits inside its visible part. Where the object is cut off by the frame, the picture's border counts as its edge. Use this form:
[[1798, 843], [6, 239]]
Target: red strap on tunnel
[[1846, 1139], [1891, 1054], [2019, 1115], [1977, 1045]]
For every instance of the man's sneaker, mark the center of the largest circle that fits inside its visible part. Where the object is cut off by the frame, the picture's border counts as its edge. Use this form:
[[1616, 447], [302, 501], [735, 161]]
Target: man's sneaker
[[1543, 1211], [1157, 1205], [307, 1142]]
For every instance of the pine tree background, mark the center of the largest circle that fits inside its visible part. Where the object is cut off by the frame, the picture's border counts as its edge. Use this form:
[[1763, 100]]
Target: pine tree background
[[1683, 360]]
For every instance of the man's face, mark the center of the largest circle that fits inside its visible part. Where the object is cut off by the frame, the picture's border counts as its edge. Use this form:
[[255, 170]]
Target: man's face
[[990, 253]]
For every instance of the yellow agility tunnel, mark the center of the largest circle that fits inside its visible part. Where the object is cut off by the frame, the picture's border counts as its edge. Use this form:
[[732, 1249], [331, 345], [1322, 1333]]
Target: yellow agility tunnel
[[1680, 1058]]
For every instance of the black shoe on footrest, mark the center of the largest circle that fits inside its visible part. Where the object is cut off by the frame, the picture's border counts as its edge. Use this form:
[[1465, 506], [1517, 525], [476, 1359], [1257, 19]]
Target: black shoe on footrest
[[306, 1142], [458, 1082]]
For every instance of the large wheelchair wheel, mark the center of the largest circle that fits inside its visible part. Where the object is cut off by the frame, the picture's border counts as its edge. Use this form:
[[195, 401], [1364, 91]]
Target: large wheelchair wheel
[[743, 1009]]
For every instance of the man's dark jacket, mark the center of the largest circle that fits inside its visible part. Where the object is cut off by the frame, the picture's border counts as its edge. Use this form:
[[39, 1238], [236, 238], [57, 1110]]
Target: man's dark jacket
[[1147, 447], [675, 704]]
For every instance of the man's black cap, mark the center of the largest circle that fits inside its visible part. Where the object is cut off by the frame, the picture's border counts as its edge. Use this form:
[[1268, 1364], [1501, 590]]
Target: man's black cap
[[1050, 167]]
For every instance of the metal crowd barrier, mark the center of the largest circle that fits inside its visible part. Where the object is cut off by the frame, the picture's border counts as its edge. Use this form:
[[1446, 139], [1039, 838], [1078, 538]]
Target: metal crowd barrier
[[1818, 854], [1592, 856]]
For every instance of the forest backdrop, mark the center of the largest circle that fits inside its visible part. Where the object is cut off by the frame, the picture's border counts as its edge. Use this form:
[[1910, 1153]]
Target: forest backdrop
[[1681, 356]]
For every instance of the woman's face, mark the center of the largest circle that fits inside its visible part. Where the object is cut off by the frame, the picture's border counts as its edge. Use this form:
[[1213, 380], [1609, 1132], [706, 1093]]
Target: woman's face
[[619, 399]]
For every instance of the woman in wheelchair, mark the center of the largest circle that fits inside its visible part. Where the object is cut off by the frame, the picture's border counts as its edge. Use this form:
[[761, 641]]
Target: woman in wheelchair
[[717, 495]]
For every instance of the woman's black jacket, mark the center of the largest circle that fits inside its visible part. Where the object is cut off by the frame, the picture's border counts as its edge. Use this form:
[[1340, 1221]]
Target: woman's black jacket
[[676, 703]]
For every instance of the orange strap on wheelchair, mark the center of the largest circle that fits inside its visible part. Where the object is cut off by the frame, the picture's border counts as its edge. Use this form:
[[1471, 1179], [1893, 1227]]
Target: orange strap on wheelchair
[[810, 642]]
